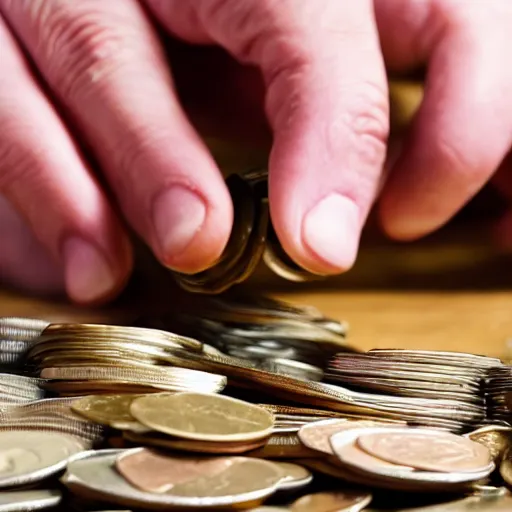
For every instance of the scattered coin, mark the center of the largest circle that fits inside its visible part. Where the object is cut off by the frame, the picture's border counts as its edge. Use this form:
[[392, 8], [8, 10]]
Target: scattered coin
[[242, 482], [30, 456], [154, 472], [316, 435], [346, 501], [295, 476], [203, 417], [427, 450], [113, 410], [396, 477], [27, 500]]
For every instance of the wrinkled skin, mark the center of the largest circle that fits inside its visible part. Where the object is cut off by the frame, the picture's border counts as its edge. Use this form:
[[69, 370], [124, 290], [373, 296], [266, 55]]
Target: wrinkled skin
[[88, 103]]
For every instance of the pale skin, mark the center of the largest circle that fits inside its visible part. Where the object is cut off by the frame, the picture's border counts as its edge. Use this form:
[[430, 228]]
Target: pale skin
[[98, 78]]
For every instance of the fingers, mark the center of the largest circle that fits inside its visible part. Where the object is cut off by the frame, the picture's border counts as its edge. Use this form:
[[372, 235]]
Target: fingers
[[326, 100], [463, 129], [104, 63], [43, 175]]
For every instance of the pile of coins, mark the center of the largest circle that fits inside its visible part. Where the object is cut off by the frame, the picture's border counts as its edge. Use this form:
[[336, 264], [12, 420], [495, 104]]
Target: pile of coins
[[252, 240], [262, 330], [141, 417]]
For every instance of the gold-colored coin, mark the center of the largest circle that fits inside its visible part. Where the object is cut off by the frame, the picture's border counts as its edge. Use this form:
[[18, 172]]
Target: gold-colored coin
[[295, 476], [203, 417], [345, 501], [496, 438], [106, 409], [150, 438]]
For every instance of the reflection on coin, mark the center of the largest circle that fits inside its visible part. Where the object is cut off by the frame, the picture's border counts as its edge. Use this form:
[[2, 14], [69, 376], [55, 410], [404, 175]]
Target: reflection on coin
[[295, 476], [158, 473], [346, 501], [24, 501], [28, 456], [203, 417], [106, 409], [428, 450], [245, 481]]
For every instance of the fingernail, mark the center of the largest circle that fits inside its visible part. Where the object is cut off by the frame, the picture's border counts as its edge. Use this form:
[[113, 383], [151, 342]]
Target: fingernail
[[178, 215], [88, 275], [331, 231]]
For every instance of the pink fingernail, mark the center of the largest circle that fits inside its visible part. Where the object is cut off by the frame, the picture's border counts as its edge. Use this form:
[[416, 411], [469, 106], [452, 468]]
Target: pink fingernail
[[88, 275], [331, 231], [178, 215]]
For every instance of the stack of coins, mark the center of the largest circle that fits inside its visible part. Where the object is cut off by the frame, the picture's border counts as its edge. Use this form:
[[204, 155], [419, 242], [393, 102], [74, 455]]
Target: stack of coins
[[252, 240], [259, 329], [16, 335]]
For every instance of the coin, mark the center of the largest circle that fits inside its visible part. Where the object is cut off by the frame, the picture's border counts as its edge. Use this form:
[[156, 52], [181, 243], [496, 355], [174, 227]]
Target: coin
[[106, 409], [243, 482], [295, 476], [203, 417], [496, 438], [154, 472], [29, 456], [396, 478], [21, 501], [316, 435], [427, 450], [345, 501], [150, 438]]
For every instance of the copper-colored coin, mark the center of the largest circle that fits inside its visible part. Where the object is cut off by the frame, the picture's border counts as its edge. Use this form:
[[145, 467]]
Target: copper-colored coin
[[203, 417], [346, 501], [316, 435], [428, 450], [154, 472], [353, 453]]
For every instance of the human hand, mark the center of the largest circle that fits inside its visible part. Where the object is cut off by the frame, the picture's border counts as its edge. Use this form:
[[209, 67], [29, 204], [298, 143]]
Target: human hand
[[326, 102]]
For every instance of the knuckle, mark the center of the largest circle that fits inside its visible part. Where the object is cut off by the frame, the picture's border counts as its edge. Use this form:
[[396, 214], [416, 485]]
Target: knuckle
[[367, 119], [242, 27], [78, 42]]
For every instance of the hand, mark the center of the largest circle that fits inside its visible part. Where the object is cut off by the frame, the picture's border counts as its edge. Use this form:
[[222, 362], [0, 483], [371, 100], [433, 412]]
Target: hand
[[104, 84]]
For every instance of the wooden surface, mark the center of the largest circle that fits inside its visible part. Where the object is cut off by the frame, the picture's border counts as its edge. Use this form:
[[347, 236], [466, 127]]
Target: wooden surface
[[479, 322]]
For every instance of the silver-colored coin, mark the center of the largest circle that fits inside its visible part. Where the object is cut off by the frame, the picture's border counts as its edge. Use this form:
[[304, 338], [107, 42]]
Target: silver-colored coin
[[97, 477], [27, 456], [26, 501]]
